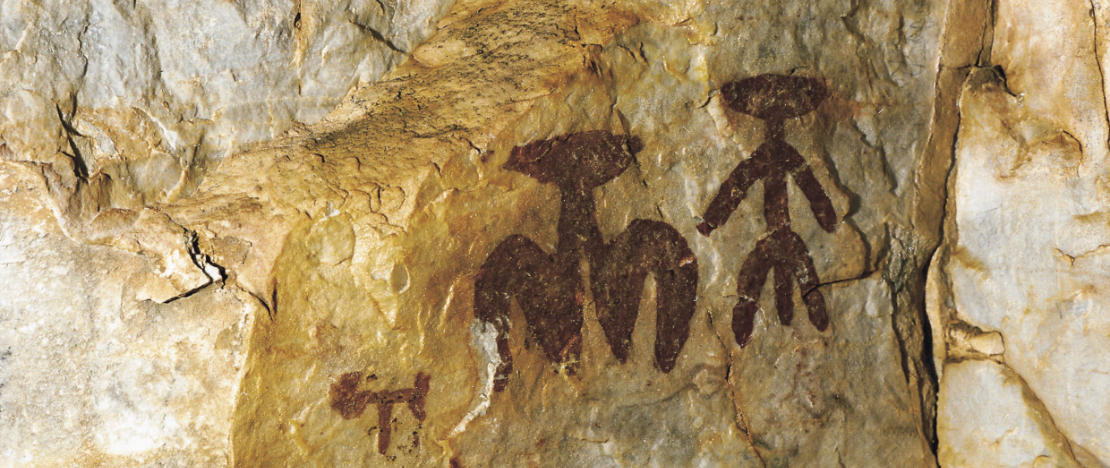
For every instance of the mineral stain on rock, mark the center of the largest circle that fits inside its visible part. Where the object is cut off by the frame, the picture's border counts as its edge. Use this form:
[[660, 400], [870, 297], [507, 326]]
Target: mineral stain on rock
[[549, 288], [347, 400], [774, 98]]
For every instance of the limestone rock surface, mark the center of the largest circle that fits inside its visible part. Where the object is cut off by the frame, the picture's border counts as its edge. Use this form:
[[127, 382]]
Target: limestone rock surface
[[552, 233], [1018, 301]]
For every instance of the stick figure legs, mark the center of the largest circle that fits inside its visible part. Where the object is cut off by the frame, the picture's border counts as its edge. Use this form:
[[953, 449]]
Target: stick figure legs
[[618, 282], [784, 252]]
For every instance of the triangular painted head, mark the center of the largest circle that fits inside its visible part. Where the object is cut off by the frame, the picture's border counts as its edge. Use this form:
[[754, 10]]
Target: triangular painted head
[[774, 97], [585, 160]]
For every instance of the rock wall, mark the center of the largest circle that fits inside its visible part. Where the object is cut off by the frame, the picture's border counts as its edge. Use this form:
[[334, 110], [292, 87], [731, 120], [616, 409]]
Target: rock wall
[[544, 233], [1022, 341]]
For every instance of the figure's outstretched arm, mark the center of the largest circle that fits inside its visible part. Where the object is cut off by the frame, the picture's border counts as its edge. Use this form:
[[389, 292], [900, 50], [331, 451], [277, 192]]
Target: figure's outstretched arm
[[731, 193], [818, 201]]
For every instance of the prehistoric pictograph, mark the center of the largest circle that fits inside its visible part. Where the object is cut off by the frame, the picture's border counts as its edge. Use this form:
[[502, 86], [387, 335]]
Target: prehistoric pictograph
[[350, 402], [549, 288], [774, 98]]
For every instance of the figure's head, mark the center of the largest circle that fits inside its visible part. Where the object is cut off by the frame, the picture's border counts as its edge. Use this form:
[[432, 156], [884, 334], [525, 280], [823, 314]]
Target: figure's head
[[586, 159], [774, 97]]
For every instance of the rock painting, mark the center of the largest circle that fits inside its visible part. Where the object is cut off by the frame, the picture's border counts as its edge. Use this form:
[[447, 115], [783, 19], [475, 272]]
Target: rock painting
[[350, 402], [549, 288], [774, 98]]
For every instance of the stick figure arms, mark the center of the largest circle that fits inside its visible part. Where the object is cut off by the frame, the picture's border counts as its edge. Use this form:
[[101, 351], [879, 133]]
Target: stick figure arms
[[773, 159]]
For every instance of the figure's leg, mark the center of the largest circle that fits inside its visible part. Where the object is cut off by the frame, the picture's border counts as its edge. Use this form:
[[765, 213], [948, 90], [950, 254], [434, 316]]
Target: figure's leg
[[617, 281], [385, 425], [749, 284], [777, 213], [419, 394], [517, 268], [784, 290], [806, 274]]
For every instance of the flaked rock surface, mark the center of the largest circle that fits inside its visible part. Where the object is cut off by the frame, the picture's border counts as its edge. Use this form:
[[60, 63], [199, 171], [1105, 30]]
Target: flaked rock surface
[[551, 233]]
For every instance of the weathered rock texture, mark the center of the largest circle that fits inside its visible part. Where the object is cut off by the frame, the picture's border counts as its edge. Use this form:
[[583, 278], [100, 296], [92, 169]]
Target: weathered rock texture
[[415, 233], [1022, 339]]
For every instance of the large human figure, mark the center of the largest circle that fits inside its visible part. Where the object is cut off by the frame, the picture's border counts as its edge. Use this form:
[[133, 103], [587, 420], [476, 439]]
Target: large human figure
[[549, 288], [774, 99]]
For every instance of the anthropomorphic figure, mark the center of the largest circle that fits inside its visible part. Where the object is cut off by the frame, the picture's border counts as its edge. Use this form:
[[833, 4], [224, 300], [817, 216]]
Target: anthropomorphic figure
[[774, 98], [549, 288], [350, 402]]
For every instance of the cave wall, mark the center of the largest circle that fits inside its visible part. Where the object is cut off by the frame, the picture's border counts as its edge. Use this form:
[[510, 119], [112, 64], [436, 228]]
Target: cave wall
[[309, 233]]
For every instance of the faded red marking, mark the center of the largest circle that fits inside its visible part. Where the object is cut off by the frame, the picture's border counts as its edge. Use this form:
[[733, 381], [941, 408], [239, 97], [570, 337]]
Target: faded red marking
[[350, 402]]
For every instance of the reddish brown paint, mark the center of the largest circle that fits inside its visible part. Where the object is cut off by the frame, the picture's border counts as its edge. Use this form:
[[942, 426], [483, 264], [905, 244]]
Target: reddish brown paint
[[549, 288], [774, 98], [350, 402]]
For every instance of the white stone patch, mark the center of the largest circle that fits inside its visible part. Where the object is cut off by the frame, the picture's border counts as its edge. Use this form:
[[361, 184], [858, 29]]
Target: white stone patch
[[1027, 262], [985, 420], [483, 338]]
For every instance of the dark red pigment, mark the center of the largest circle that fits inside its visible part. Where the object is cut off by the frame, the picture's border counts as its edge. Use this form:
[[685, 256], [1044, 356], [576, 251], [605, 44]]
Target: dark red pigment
[[350, 402], [549, 287], [774, 98]]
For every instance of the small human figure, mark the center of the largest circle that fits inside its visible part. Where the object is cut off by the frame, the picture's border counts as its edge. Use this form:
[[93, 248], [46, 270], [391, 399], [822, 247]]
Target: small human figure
[[774, 98], [549, 288]]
